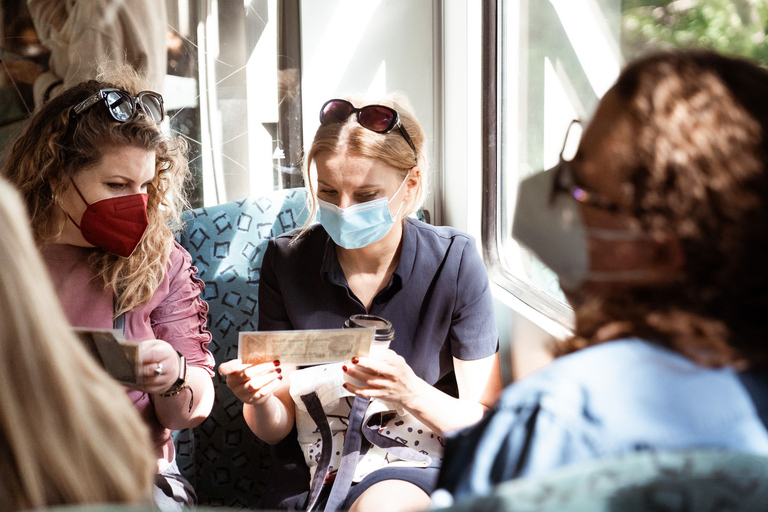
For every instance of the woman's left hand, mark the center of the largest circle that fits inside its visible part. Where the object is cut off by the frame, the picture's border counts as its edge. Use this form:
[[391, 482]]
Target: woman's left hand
[[387, 377], [159, 366]]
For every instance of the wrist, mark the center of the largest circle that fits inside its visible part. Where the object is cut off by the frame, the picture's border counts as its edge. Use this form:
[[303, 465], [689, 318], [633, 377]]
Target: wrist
[[181, 380], [418, 392]]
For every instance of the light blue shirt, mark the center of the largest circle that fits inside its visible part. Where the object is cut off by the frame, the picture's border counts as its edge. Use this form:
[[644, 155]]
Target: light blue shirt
[[603, 401]]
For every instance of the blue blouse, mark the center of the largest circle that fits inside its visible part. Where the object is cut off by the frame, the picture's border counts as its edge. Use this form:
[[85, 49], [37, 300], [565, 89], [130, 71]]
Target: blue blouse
[[606, 400], [438, 298]]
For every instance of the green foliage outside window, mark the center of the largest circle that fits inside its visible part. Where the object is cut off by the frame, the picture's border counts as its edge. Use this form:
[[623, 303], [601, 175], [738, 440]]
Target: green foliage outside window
[[731, 27]]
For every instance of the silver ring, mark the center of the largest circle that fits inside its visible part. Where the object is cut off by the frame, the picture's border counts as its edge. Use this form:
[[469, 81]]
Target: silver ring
[[159, 369]]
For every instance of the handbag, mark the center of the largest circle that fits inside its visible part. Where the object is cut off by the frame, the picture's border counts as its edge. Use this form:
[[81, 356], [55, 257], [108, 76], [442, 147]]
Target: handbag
[[344, 437]]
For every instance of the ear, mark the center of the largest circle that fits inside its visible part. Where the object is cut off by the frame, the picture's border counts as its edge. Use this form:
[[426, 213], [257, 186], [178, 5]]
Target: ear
[[412, 182]]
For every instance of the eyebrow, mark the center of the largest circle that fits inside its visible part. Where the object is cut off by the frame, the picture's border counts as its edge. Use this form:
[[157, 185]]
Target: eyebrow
[[130, 180], [362, 187]]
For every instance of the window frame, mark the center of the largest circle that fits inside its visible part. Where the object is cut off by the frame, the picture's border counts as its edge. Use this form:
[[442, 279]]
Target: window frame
[[492, 136]]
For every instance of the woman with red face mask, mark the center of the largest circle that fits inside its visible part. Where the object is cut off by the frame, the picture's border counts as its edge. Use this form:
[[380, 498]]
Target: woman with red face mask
[[103, 187]]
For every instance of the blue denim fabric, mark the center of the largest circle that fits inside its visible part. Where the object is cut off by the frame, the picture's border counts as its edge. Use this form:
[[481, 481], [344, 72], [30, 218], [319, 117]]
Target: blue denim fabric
[[607, 400]]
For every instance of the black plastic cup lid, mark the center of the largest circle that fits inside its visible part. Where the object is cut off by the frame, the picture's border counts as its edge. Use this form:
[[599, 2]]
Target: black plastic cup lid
[[382, 325]]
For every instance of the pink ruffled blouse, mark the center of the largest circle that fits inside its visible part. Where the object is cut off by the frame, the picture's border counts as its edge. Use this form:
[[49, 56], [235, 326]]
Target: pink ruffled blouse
[[175, 314]]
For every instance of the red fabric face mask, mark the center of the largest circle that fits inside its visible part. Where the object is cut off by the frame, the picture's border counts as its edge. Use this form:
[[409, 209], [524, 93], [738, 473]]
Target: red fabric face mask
[[115, 224]]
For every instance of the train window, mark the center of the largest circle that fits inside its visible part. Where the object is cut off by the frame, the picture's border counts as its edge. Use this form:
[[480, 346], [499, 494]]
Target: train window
[[550, 63], [235, 72]]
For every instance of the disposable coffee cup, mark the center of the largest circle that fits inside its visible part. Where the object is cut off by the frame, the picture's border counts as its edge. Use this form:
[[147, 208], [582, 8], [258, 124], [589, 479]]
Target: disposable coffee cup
[[384, 335], [381, 339]]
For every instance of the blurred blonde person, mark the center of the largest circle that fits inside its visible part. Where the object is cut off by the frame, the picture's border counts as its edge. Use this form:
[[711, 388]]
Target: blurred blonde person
[[68, 433]]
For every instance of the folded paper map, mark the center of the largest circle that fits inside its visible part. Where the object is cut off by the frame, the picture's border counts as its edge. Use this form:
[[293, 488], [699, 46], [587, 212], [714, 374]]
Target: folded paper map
[[304, 347], [118, 357]]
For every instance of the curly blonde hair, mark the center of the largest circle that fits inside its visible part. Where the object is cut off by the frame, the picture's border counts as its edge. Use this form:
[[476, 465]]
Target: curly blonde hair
[[390, 148], [55, 145]]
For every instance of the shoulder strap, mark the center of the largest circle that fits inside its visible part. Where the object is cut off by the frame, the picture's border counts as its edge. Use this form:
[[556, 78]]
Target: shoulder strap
[[315, 410], [119, 322], [755, 381], [350, 455]]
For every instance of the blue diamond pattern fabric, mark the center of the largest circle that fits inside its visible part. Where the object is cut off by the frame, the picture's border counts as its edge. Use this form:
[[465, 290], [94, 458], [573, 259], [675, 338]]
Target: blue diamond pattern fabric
[[222, 459]]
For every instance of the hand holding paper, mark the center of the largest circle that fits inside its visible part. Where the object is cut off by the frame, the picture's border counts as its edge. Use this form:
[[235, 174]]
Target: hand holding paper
[[118, 357], [304, 347]]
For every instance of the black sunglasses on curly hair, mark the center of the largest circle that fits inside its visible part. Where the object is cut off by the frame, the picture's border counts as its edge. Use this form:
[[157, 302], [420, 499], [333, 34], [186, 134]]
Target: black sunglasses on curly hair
[[123, 106], [377, 118]]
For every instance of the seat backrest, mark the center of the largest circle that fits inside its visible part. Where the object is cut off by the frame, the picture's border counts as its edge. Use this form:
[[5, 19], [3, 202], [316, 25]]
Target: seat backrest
[[681, 481], [226, 464]]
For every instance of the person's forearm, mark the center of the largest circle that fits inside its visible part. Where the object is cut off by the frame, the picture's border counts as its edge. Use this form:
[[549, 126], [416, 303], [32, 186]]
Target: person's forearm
[[270, 420], [190, 406], [441, 412]]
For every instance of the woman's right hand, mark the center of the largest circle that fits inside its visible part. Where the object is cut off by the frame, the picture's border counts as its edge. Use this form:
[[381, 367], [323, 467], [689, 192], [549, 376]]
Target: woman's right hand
[[251, 383]]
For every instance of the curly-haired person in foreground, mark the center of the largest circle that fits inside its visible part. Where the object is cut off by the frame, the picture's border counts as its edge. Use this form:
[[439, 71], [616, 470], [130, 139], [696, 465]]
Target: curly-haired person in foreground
[[103, 188], [657, 230]]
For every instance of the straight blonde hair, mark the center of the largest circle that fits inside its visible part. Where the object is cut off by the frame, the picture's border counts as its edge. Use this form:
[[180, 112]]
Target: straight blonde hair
[[68, 432], [390, 148]]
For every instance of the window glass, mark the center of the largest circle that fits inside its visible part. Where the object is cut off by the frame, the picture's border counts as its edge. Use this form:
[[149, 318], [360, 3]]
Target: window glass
[[241, 62], [557, 59]]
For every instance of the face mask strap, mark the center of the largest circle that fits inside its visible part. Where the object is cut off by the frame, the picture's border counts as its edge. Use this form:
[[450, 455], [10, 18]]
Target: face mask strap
[[397, 192], [81, 197], [79, 193]]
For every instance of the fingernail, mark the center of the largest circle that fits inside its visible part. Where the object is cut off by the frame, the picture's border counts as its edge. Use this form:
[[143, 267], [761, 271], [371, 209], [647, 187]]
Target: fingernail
[[276, 362], [355, 360], [344, 367], [279, 370], [279, 377], [344, 385]]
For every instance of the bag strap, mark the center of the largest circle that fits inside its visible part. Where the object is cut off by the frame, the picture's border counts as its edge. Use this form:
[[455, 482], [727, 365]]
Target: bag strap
[[315, 410], [119, 322], [396, 448], [350, 456]]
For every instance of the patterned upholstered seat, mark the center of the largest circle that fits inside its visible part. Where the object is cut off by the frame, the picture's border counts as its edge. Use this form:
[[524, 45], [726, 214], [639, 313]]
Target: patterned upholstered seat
[[222, 459], [684, 481]]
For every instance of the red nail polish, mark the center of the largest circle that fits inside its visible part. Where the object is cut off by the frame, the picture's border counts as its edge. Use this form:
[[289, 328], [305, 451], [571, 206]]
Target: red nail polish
[[279, 377], [344, 385], [355, 360], [276, 363], [279, 370], [344, 367]]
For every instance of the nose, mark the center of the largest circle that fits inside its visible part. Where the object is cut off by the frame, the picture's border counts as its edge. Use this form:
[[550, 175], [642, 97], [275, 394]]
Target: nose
[[137, 189], [345, 201]]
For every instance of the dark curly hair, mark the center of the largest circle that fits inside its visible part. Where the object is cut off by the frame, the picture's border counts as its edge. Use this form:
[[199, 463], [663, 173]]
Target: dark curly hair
[[695, 168]]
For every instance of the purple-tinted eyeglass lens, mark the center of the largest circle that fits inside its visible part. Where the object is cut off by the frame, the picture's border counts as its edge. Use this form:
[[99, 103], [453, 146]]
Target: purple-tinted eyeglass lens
[[336, 112], [376, 119]]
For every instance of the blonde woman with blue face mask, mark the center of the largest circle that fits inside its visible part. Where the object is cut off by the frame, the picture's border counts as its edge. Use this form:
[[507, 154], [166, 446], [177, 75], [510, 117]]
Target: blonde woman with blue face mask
[[366, 255]]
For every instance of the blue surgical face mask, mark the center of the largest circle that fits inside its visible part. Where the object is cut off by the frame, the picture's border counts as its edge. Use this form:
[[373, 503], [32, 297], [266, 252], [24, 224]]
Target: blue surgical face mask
[[360, 224]]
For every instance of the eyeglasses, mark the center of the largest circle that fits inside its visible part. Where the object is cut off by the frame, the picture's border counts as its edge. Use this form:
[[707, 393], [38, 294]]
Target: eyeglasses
[[564, 182], [122, 105], [377, 118]]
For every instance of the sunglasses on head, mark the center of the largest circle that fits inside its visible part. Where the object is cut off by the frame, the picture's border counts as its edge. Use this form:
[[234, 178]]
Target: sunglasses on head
[[122, 105], [377, 118]]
